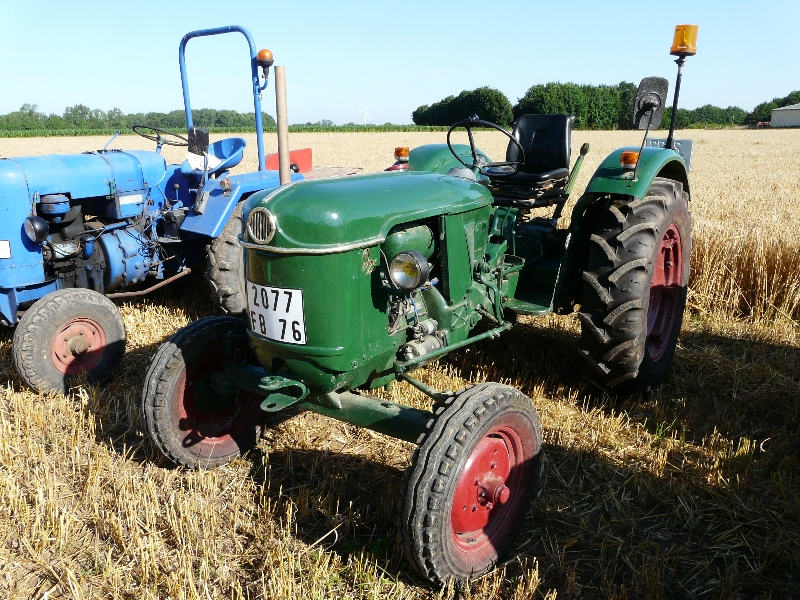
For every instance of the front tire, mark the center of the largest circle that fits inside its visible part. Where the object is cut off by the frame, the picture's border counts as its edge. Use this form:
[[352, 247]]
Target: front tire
[[634, 288], [471, 482], [67, 334], [185, 418], [225, 269]]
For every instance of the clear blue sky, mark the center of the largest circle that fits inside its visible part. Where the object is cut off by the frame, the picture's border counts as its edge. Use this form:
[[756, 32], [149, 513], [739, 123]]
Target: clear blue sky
[[342, 56]]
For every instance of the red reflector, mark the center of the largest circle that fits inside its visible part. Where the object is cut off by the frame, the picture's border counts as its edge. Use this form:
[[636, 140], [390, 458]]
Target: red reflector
[[301, 158]]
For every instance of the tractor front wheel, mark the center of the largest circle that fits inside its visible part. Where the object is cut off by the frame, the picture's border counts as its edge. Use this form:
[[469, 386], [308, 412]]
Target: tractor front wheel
[[225, 270], [189, 421], [66, 334], [634, 288], [470, 483]]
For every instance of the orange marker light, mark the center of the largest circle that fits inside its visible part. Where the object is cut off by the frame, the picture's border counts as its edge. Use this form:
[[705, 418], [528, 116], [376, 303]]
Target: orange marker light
[[264, 58], [628, 159], [685, 41], [401, 154]]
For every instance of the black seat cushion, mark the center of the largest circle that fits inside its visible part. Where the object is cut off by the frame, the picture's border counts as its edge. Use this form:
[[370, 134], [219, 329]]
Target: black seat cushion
[[546, 140]]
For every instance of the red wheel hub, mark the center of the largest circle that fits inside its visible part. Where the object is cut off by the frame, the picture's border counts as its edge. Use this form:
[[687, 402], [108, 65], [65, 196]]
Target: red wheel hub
[[212, 422], [665, 292], [78, 346], [486, 491]]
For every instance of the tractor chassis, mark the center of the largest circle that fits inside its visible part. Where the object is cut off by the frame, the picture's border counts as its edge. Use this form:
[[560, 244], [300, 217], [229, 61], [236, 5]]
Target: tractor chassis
[[390, 418]]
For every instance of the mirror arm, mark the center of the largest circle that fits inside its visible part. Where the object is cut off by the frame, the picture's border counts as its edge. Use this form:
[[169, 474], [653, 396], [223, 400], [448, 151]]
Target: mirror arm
[[644, 139], [670, 142]]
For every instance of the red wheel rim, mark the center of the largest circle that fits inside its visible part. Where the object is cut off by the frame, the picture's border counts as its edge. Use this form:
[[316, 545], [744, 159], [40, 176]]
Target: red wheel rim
[[78, 346], [209, 423], [489, 494], [665, 290]]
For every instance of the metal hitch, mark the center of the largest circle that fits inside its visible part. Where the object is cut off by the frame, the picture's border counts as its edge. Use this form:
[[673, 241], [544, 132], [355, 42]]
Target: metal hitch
[[274, 385]]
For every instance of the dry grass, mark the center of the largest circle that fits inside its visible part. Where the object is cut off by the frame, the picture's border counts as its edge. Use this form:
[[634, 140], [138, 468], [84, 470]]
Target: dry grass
[[691, 492]]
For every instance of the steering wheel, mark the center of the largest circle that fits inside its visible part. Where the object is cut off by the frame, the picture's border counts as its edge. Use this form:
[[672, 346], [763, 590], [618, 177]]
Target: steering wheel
[[503, 169], [157, 138]]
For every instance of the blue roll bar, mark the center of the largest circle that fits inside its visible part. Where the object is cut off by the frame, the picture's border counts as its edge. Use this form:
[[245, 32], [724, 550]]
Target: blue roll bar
[[253, 68]]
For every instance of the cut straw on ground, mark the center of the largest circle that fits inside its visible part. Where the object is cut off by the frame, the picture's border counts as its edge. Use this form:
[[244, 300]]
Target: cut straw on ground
[[692, 491]]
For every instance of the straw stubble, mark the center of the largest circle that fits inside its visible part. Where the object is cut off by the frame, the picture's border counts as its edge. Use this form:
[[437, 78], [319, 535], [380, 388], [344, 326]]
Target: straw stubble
[[691, 491]]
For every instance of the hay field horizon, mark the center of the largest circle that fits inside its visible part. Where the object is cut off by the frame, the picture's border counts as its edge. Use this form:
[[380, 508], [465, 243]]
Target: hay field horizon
[[692, 491]]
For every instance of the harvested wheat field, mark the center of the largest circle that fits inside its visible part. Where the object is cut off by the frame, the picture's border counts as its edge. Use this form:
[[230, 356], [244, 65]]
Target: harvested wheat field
[[693, 491]]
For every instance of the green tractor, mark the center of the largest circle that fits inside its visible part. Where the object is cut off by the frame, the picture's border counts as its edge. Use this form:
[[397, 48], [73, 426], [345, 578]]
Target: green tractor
[[355, 283]]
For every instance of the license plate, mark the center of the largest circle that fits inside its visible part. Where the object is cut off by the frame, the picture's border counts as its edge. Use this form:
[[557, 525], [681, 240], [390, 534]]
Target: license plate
[[276, 313]]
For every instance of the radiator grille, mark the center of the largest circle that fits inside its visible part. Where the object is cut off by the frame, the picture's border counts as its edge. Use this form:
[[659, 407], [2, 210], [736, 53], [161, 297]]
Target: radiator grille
[[261, 225]]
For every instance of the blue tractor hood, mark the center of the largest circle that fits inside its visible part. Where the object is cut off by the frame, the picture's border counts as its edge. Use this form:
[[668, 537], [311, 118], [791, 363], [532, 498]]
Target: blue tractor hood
[[92, 174]]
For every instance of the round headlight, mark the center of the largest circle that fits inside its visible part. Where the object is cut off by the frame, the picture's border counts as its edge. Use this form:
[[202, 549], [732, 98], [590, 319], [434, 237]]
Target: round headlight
[[409, 270], [261, 225], [37, 229]]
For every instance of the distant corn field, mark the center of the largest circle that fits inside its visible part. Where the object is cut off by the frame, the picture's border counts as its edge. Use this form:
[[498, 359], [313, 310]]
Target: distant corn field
[[693, 491]]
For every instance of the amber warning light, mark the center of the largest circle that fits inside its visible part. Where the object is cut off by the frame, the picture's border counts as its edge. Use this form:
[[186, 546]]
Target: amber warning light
[[685, 41], [264, 58], [628, 159], [400, 159]]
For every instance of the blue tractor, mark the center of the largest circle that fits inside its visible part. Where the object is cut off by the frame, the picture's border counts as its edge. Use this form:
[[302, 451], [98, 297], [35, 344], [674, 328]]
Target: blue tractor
[[79, 229]]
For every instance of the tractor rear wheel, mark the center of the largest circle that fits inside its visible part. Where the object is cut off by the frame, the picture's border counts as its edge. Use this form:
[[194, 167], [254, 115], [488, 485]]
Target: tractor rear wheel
[[634, 288], [190, 422], [225, 270], [471, 482], [67, 334]]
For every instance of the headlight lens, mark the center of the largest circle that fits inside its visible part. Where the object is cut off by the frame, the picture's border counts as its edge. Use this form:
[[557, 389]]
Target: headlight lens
[[409, 270], [37, 229], [261, 225]]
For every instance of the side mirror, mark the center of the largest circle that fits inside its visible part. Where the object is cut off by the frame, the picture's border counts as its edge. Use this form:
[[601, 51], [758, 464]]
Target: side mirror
[[651, 100], [198, 140]]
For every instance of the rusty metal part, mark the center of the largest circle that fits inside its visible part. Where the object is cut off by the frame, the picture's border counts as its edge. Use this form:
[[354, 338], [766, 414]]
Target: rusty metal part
[[150, 289]]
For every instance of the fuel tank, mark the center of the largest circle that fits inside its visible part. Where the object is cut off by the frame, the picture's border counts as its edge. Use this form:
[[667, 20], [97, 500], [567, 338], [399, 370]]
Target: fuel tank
[[91, 174]]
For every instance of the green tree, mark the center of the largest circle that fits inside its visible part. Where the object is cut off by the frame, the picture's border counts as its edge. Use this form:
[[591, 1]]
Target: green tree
[[555, 98], [627, 98], [115, 119], [488, 103]]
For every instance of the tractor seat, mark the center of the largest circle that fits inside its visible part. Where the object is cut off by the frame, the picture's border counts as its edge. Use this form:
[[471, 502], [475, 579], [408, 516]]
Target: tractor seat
[[222, 155], [546, 140]]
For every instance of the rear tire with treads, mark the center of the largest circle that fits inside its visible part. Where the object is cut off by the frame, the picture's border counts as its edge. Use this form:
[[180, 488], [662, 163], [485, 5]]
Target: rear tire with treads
[[225, 270], [634, 288]]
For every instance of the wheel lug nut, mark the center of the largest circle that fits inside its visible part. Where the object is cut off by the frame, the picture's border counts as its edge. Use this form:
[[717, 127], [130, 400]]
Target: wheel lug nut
[[502, 494]]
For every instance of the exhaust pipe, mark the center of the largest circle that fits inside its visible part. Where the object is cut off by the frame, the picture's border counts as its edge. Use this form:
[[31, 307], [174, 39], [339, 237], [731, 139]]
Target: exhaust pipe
[[284, 170]]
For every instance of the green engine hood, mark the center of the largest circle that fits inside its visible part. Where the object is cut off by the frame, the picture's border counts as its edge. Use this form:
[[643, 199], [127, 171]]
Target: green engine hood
[[322, 215]]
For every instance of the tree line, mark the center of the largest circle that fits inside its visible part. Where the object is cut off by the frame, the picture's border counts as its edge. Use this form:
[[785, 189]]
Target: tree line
[[594, 107], [82, 118]]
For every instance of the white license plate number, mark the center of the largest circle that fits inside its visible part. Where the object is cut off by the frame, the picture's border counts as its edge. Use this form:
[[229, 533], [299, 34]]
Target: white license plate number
[[276, 313]]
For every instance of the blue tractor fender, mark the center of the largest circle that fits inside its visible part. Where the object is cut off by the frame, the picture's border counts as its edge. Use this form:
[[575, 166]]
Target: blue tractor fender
[[220, 203]]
